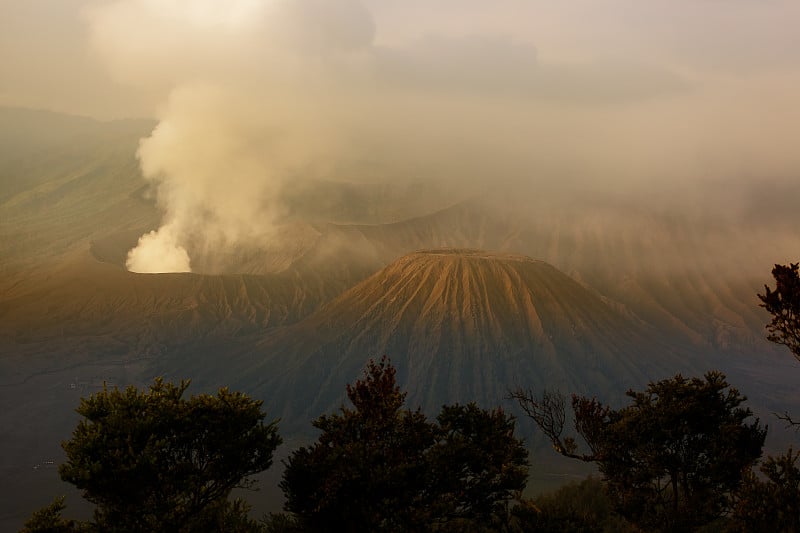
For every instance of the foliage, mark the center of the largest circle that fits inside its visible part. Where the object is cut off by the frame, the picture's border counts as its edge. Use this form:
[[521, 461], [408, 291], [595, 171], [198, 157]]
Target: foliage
[[783, 304], [364, 469], [476, 464], [772, 502], [672, 458], [579, 507], [280, 523], [155, 461], [49, 520], [379, 466]]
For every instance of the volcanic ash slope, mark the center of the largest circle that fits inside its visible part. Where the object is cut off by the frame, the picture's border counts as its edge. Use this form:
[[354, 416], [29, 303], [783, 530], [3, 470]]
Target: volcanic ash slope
[[460, 325]]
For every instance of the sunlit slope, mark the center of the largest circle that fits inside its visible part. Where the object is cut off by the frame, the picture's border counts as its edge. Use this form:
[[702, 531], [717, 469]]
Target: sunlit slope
[[693, 277], [461, 325]]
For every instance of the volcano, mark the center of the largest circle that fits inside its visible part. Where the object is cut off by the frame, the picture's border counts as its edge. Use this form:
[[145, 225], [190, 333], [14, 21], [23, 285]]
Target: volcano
[[460, 325]]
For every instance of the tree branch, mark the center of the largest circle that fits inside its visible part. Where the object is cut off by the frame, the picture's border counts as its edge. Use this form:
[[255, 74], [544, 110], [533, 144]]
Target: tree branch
[[790, 422], [549, 414]]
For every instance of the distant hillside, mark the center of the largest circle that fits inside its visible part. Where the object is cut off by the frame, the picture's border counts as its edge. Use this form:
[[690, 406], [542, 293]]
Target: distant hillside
[[65, 180], [27, 132]]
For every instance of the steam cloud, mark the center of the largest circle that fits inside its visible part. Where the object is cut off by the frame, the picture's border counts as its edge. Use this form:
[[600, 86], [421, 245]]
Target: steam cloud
[[244, 114], [161, 249], [260, 94]]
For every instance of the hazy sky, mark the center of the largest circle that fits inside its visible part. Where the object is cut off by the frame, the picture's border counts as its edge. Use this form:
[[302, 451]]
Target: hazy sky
[[48, 59], [251, 94]]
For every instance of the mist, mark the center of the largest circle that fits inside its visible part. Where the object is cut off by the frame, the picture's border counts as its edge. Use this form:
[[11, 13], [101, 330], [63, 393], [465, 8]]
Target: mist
[[255, 97]]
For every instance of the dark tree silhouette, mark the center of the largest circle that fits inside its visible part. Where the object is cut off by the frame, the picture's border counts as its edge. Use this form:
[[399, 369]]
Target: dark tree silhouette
[[770, 502], [577, 507], [154, 461], [380, 467], [49, 520], [672, 459], [783, 304]]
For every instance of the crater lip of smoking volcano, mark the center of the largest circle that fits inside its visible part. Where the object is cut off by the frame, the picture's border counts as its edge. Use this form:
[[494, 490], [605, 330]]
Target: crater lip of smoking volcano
[[274, 253], [474, 253]]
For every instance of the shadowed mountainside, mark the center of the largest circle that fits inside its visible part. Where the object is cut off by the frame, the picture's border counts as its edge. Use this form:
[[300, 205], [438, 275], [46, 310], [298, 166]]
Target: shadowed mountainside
[[460, 325], [105, 310]]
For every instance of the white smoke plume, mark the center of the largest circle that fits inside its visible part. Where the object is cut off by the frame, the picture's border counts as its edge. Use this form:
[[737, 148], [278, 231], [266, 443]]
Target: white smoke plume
[[258, 94], [247, 109], [158, 251]]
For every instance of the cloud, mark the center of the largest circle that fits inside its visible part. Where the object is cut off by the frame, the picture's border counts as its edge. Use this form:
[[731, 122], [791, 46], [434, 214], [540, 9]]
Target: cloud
[[475, 63], [250, 91], [219, 162], [262, 94]]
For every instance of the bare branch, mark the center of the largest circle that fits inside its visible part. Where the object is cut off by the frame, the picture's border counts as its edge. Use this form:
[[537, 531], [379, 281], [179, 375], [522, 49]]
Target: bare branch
[[549, 414], [790, 422]]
